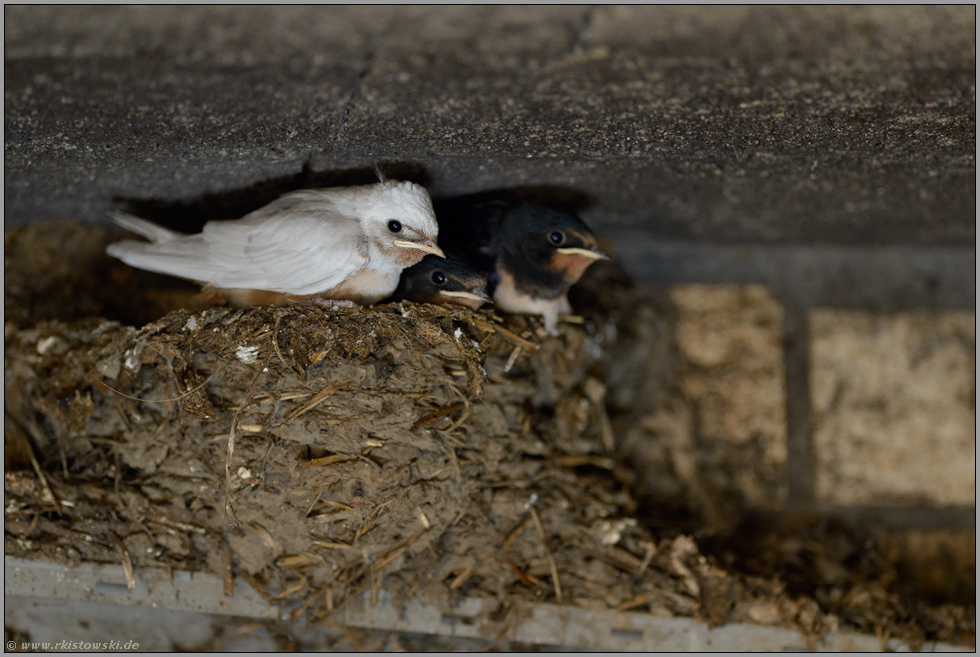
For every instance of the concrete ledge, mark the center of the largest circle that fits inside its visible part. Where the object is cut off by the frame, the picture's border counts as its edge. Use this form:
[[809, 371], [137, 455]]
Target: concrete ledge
[[540, 624]]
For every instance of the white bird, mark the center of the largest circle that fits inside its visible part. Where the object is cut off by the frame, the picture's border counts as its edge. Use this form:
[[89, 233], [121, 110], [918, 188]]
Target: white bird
[[335, 243]]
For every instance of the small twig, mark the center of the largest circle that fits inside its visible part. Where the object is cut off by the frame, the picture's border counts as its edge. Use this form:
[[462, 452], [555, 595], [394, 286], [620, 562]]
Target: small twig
[[438, 413], [577, 460], [313, 503], [275, 345], [517, 531], [47, 494], [158, 519], [64, 460], [462, 418], [290, 591], [122, 413], [460, 579], [319, 397], [637, 601], [516, 339], [296, 560], [32, 526], [362, 530], [651, 551], [333, 546], [338, 505], [514, 355], [391, 557], [326, 460], [369, 461], [380, 507], [451, 452], [127, 563], [526, 579], [307, 603], [551, 557], [399, 548], [252, 581], [267, 538], [616, 557]]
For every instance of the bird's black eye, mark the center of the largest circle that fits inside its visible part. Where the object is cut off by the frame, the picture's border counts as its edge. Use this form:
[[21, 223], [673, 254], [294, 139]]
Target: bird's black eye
[[438, 278], [557, 237], [395, 226]]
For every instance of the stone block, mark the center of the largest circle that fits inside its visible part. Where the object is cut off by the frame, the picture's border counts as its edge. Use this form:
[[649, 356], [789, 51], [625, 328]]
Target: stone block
[[733, 378], [893, 407]]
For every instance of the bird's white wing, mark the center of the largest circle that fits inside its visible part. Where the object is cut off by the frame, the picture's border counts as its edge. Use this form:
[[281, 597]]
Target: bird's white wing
[[304, 249]]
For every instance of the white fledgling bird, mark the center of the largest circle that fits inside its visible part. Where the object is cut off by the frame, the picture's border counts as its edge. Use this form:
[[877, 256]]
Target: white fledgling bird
[[335, 243]]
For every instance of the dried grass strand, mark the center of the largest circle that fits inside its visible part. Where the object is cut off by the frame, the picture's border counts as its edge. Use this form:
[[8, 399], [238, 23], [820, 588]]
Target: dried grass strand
[[516, 339], [517, 531], [317, 399], [551, 557], [168, 400], [47, 494], [127, 563], [438, 413]]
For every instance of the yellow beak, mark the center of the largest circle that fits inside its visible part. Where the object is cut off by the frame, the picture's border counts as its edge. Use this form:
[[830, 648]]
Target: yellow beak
[[465, 295], [421, 246], [588, 253]]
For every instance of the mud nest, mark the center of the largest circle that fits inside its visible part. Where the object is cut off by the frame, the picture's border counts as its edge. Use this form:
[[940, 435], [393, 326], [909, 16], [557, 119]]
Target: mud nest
[[424, 451]]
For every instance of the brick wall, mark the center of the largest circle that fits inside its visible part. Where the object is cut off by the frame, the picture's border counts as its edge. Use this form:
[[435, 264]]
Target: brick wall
[[792, 410]]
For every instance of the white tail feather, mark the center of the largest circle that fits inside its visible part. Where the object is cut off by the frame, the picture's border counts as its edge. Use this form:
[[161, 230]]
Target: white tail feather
[[148, 229], [184, 259]]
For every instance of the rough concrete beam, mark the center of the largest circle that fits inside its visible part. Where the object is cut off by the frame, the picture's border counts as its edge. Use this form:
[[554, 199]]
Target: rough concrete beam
[[842, 124]]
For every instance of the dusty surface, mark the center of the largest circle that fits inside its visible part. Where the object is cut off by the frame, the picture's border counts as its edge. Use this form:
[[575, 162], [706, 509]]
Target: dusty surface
[[423, 451], [882, 387], [859, 576], [941, 564]]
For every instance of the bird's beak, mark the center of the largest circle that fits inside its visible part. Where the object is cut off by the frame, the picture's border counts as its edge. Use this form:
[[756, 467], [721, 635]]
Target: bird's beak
[[466, 295], [588, 253], [421, 246]]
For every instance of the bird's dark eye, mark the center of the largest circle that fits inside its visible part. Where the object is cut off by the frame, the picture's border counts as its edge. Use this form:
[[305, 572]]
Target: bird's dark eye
[[557, 237], [395, 226], [438, 278]]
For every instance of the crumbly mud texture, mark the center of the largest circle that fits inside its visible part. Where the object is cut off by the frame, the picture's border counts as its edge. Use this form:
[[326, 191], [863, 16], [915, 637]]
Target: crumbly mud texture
[[430, 452]]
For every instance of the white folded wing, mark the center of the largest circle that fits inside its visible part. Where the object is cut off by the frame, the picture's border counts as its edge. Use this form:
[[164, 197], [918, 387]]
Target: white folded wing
[[297, 245]]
